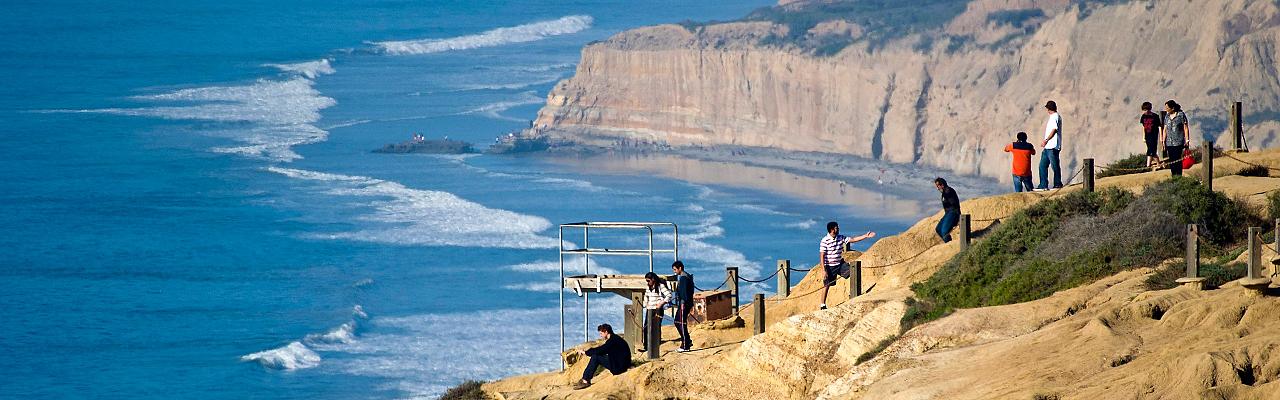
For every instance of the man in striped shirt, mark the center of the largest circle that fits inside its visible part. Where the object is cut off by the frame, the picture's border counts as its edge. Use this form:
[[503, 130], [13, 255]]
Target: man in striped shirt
[[830, 251]]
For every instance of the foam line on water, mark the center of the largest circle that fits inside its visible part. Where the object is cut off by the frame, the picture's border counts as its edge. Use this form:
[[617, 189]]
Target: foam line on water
[[494, 110], [302, 354], [280, 114], [428, 217], [308, 69], [495, 37]]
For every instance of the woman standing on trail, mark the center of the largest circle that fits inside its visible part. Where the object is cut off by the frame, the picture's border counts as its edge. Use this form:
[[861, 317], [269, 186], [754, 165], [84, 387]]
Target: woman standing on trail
[[1176, 135], [656, 297]]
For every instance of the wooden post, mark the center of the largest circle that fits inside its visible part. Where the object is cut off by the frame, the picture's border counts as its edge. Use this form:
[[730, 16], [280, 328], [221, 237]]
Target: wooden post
[[1277, 237], [1254, 278], [1237, 127], [855, 280], [655, 334], [1088, 174], [964, 232], [1193, 278], [784, 278], [633, 324], [1207, 160], [732, 275], [758, 315]]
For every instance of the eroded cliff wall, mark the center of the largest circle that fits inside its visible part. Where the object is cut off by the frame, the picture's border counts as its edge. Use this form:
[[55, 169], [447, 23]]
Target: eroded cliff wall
[[950, 98]]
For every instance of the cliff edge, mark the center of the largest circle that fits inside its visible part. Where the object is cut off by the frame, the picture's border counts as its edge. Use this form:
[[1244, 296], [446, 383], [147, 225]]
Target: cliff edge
[[944, 84]]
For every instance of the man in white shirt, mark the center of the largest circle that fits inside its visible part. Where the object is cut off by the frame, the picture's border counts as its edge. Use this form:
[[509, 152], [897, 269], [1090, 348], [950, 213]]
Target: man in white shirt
[[1052, 145]]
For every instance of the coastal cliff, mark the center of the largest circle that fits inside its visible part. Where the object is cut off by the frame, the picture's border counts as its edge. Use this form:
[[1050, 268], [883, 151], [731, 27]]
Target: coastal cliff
[[810, 76]]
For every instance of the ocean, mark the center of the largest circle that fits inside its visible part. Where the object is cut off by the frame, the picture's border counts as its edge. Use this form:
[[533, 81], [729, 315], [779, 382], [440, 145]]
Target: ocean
[[192, 209]]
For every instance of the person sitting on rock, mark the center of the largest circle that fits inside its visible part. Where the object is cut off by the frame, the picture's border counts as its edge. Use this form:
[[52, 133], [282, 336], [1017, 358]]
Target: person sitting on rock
[[950, 208], [833, 265], [614, 355]]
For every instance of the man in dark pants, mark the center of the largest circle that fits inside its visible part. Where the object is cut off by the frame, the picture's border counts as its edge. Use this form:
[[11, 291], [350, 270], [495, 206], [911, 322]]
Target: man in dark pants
[[614, 355], [950, 208], [683, 304]]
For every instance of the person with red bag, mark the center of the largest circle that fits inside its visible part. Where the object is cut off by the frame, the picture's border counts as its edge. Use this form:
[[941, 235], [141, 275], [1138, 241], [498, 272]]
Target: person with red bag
[[1176, 135]]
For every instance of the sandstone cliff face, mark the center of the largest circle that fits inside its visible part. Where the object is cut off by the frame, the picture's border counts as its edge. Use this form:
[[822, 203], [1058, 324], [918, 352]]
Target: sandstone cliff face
[[951, 98]]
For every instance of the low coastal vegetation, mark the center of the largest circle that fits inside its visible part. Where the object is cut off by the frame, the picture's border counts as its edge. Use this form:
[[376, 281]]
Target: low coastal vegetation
[[469, 390], [879, 20], [1079, 238]]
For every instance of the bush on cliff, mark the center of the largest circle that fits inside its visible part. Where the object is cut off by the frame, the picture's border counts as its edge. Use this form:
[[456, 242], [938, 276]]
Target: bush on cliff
[[1074, 240], [1132, 164], [469, 390]]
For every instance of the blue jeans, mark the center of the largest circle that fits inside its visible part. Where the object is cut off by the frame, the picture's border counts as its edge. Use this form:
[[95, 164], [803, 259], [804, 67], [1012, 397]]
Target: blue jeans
[[595, 363], [1021, 183], [682, 324], [948, 222], [1049, 157]]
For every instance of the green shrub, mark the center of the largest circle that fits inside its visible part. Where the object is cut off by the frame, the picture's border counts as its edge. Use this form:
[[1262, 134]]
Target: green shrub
[[469, 390], [1273, 205], [881, 21], [1132, 164], [1074, 240], [1255, 170], [884, 344], [1217, 274]]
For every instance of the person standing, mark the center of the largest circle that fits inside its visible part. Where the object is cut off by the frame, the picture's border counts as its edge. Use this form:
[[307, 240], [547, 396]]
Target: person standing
[[1151, 125], [684, 303], [656, 297], [614, 355], [950, 209], [1022, 152], [833, 265], [1177, 136], [1052, 146]]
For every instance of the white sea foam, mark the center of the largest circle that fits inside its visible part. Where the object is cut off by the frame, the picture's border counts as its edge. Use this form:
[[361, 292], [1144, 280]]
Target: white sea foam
[[494, 110], [281, 114], [543, 287], [293, 356], [510, 86], [345, 333], [571, 265], [496, 37], [424, 355], [308, 69], [802, 225], [430, 218]]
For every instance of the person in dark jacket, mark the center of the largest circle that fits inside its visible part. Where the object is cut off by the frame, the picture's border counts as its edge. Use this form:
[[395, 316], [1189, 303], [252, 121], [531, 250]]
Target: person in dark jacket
[[614, 355], [683, 304], [950, 208]]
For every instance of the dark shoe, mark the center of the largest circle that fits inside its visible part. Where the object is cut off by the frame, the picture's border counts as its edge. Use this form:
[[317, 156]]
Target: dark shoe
[[581, 385], [822, 307], [640, 350], [946, 239]]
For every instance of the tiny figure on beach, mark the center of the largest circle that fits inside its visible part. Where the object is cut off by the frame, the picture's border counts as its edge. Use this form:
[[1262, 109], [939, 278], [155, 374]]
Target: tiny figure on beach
[[950, 208], [614, 355], [1052, 146], [1177, 137], [1022, 152], [830, 250], [656, 297], [1151, 126], [683, 303]]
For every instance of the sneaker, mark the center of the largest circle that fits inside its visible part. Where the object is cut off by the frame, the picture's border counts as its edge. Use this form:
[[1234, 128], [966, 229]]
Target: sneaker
[[682, 350], [640, 350], [1041, 189], [581, 385]]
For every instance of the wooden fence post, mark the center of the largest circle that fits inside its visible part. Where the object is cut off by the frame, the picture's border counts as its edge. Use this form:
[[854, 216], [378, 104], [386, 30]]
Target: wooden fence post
[[1207, 160], [1254, 278], [1193, 278], [964, 232], [758, 315], [1237, 127], [784, 278], [1088, 174], [855, 280], [655, 334], [732, 275]]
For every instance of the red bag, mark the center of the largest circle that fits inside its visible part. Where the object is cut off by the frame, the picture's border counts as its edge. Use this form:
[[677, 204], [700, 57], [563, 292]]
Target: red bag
[[1187, 160]]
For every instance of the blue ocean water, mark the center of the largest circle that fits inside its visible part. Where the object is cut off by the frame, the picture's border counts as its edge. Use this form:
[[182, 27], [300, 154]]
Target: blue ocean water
[[192, 210]]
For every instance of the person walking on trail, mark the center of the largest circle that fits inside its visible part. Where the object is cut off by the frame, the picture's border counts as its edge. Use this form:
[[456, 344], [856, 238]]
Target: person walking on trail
[[830, 249], [1022, 152], [614, 355], [1052, 146], [656, 298], [683, 302], [1176, 136], [950, 208], [1151, 126]]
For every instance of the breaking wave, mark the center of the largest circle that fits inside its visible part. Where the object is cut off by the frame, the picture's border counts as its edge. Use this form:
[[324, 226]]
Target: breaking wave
[[491, 38]]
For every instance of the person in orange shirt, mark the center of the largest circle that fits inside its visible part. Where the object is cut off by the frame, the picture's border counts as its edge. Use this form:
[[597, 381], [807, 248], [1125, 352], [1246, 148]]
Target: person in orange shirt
[[1022, 152]]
